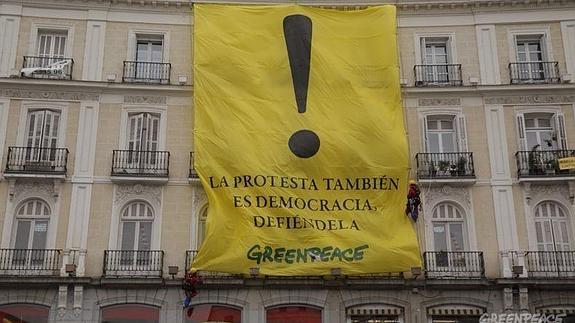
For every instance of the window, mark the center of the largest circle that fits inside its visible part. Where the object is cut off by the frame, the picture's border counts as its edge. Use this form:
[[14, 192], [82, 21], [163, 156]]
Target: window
[[202, 227], [293, 314], [444, 133], [530, 57], [137, 219], [20, 313], [130, 313], [42, 126], [143, 131], [552, 227], [212, 313], [541, 131], [149, 48], [32, 220], [449, 229], [51, 43]]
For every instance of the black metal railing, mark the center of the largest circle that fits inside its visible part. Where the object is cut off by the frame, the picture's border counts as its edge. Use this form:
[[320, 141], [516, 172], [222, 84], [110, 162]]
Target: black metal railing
[[438, 74], [543, 264], [47, 67], [193, 173], [191, 254], [542, 163], [140, 163], [134, 263], [34, 160], [445, 165], [29, 262], [534, 72], [146, 72], [454, 264]]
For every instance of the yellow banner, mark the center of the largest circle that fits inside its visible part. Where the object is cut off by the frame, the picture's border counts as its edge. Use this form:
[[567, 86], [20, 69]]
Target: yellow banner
[[300, 141], [567, 163]]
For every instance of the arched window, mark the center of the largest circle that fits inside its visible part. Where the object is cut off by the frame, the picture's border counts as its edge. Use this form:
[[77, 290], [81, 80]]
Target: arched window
[[32, 220], [449, 228], [136, 226], [29, 313], [293, 314], [130, 313], [552, 227], [212, 313]]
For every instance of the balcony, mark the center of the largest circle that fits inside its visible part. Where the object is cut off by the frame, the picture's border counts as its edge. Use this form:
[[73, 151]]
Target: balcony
[[130, 165], [133, 263], [538, 165], [454, 264], [438, 75], [47, 67], [550, 264], [36, 162], [29, 262], [193, 173], [534, 72], [445, 168], [146, 72]]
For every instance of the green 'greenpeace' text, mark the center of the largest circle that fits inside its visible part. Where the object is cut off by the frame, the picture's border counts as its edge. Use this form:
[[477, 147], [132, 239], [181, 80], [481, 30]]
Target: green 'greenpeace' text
[[261, 254]]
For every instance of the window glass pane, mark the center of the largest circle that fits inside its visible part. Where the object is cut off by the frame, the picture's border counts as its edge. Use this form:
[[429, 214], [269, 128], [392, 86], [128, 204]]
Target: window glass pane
[[293, 314], [532, 140], [448, 142], [431, 123], [40, 234], [529, 122], [447, 124], [156, 53], [544, 122], [128, 235], [142, 52], [145, 235], [439, 237], [433, 142], [132, 313], [212, 313], [24, 313], [456, 236], [539, 232], [22, 234]]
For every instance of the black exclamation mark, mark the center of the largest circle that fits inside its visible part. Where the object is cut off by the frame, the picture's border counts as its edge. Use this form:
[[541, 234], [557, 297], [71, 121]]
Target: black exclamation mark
[[297, 32]]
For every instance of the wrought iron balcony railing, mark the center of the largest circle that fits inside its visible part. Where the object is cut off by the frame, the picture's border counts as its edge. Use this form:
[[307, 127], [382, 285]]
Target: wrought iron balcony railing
[[445, 165], [542, 163], [29, 262], [146, 72], [140, 163], [32, 160], [47, 67], [550, 264], [193, 173], [534, 72], [454, 264], [438, 74], [133, 263]]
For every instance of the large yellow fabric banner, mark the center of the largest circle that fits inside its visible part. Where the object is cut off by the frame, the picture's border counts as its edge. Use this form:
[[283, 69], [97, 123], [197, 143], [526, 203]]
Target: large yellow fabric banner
[[300, 141]]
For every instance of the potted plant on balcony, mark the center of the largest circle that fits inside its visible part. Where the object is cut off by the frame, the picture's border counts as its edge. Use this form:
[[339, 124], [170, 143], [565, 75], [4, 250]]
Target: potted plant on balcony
[[551, 166], [461, 163], [534, 162], [443, 165], [453, 169]]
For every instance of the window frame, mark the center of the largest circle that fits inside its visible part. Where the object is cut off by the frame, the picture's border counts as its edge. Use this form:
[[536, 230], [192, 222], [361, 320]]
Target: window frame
[[450, 46], [28, 107], [459, 124], [557, 120], [543, 33], [128, 110], [138, 220], [50, 231], [463, 221], [35, 31], [133, 40]]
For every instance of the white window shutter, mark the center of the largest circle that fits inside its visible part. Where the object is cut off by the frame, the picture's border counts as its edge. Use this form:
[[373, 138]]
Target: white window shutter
[[460, 128], [425, 144], [521, 132], [559, 119]]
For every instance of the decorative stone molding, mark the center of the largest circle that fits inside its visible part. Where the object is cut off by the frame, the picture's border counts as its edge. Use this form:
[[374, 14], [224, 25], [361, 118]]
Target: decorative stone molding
[[49, 95], [199, 199], [534, 192], [533, 99], [33, 188], [144, 99], [152, 193], [447, 193], [438, 102]]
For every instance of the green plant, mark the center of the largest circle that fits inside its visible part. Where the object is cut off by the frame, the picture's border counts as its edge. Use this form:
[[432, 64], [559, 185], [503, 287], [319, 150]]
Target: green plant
[[534, 161], [461, 163], [443, 165]]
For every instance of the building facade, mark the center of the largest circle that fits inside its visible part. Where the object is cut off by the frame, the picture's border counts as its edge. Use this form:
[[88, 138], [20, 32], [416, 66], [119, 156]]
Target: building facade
[[101, 210]]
